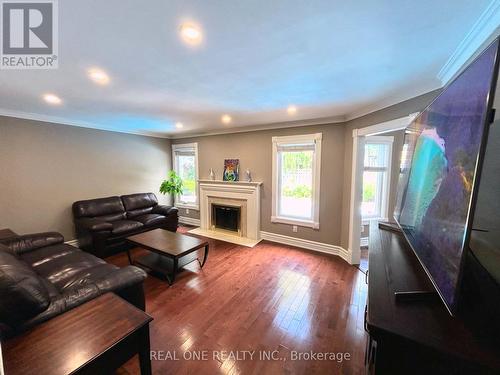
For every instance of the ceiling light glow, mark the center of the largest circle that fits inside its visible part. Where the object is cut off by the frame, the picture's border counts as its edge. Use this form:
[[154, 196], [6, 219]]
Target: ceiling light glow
[[291, 110], [191, 33], [226, 119], [98, 76], [179, 125], [52, 99]]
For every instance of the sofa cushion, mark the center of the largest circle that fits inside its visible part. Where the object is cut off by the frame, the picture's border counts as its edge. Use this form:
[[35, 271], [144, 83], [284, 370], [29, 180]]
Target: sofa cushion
[[139, 204], [110, 207], [22, 291], [151, 219], [61, 264], [89, 275], [122, 226]]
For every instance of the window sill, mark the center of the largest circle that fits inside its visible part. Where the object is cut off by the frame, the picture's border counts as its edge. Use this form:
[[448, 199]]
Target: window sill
[[187, 205], [298, 222]]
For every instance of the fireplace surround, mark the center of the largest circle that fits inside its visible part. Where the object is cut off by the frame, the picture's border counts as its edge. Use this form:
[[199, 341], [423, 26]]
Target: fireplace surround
[[241, 196]]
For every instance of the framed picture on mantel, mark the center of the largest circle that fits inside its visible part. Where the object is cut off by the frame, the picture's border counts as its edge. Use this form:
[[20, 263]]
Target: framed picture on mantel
[[231, 170]]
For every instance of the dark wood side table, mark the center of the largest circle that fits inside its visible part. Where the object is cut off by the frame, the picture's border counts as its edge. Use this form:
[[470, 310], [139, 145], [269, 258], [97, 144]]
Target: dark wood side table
[[94, 338], [6, 233], [170, 251]]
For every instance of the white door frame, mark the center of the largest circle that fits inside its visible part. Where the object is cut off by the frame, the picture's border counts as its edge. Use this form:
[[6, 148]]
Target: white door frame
[[358, 150]]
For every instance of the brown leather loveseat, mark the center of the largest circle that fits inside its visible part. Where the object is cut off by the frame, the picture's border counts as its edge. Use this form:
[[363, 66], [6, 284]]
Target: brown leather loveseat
[[103, 224]]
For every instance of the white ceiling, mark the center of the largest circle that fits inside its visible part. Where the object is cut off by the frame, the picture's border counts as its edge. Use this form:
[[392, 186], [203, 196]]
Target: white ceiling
[[333, 59]]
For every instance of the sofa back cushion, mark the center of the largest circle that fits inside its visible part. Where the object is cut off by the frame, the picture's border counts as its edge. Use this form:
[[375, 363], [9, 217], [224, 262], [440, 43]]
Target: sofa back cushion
[[139, 204], [108, 209], [23, 294]]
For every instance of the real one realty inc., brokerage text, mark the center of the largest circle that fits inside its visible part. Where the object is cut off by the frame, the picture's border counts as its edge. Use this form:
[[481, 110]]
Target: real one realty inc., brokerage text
[[247, 355]]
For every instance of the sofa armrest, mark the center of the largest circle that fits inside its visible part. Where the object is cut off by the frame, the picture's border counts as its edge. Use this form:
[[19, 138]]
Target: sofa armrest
[[29, 242], [165, 210], [118, 280], [94, 225]]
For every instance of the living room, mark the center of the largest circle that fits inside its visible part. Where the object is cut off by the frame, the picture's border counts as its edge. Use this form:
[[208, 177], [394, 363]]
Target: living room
[[225, 188]]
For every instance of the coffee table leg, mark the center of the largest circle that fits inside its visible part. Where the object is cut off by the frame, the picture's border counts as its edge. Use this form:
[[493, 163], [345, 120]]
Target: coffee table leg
[[129, 257], [171, 277], [144, 352], [204, 257]]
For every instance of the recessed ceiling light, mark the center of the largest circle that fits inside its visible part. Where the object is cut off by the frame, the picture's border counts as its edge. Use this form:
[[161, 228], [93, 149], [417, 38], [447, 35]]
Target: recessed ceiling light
[[98, 76], [52, 99], [226, 119], [191, 33], [291, 110], [179, 125]]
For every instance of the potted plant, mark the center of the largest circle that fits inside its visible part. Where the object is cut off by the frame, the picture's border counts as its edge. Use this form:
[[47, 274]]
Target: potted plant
[[172, 185]]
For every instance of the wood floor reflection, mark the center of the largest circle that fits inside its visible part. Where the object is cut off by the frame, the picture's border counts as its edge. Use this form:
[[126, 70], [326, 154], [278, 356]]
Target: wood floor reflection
[[270, 299]]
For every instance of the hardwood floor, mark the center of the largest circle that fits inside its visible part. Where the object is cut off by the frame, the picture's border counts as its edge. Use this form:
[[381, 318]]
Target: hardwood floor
[[272, 298]]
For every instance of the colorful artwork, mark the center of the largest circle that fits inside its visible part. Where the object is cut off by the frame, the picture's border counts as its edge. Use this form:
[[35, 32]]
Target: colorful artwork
[[231, 169], [438, 171]]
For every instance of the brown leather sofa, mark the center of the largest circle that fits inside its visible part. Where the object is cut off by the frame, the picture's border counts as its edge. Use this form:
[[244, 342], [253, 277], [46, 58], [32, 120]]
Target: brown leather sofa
[[41, 277], [103, 224]]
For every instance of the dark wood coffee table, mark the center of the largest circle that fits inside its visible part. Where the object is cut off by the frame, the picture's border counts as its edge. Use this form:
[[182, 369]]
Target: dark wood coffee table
[[94, 338], [170, 251]]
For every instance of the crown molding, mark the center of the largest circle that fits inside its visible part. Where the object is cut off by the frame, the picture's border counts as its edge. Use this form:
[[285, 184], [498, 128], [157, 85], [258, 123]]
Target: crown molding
[[80, 124], [244, 129], [486, 26], [386, 103], [340, 119], [275, 125]]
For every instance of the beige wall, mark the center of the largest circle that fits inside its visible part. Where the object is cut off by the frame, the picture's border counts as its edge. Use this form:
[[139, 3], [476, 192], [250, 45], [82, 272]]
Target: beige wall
[[254, 149], [45, 167], [399, 110]]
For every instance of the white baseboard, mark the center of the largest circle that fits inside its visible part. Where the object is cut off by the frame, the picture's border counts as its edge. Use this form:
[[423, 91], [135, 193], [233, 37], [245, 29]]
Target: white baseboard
[[73, 243], [189, 221], [274, 237], [306, 244]]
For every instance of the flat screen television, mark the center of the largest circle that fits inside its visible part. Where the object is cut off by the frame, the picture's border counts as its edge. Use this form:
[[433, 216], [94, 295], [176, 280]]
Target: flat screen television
[[440, 170]]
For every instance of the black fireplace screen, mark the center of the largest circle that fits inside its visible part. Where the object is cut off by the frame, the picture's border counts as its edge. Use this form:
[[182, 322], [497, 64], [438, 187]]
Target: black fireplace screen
[[226, 217]]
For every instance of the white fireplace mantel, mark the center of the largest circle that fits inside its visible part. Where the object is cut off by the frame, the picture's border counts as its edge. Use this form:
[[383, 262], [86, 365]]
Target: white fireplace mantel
[[236, 183], [243, 191]]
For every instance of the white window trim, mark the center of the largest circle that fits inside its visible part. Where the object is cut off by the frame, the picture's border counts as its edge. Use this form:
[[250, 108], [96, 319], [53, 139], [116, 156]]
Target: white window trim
[[384, 206], [314, 223], [187, 146]]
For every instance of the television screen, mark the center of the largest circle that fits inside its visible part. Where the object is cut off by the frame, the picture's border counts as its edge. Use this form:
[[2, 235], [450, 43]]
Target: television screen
[[438, 173]]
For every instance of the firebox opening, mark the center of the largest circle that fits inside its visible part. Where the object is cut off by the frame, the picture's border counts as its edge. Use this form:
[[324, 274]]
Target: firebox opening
[[226, 218]]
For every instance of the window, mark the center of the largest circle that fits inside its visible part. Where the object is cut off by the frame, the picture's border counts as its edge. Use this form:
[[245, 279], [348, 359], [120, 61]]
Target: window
[[185, 160], [376, 177], [296, 180]]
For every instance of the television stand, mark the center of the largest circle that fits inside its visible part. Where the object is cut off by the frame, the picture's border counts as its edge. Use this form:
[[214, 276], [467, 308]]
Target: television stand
[[411, 337], [415, 295]]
